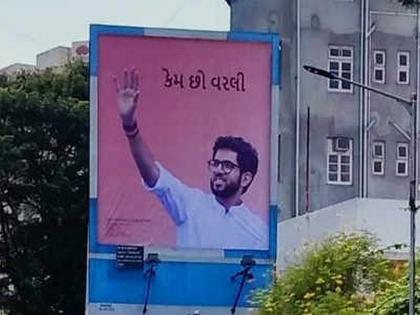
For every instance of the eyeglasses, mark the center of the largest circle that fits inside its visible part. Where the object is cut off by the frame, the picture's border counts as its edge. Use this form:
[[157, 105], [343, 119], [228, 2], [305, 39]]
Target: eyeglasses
[[227, 166]]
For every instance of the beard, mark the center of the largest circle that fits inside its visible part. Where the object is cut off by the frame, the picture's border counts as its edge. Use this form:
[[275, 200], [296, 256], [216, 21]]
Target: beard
[[227, 191]]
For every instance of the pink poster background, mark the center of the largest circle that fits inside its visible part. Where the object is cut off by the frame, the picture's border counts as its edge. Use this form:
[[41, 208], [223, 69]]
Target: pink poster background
[[178, 124]]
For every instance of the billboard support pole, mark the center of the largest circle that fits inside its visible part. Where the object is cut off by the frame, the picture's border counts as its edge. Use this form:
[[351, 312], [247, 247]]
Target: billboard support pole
[[152, 260], [247, 262]]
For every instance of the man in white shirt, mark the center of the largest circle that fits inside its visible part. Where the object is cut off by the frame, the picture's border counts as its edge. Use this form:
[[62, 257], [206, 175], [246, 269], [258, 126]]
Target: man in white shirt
[[218, 220]]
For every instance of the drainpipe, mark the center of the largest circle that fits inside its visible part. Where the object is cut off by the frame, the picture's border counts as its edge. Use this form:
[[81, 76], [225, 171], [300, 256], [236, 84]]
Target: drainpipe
[[366, 99], [361, 100], [298, 66], [417, 74]]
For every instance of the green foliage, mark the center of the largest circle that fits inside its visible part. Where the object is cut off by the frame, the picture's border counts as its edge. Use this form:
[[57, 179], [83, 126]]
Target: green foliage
[[71, 82], [340, 276], [43, 191], [394, 300], [3, 80]]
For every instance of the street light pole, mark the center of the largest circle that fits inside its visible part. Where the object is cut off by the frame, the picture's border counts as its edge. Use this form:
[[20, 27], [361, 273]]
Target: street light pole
[[413, 209], [410, 106]]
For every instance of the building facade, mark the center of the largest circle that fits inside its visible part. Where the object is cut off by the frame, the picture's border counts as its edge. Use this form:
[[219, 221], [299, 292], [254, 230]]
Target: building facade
[[341, 147], [17, 68], [358, 145], [55, 57]]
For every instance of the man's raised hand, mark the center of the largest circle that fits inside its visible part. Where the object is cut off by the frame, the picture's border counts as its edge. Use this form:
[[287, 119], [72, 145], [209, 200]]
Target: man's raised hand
[[128, 93], [127, 96]]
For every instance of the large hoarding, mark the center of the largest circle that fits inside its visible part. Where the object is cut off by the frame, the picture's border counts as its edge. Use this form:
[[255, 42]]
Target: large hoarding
[[189, 93], [159, 100]]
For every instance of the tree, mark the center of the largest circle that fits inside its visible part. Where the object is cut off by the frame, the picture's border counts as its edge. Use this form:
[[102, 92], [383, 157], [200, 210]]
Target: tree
[[340, 276], [3, 80], [44, 191]]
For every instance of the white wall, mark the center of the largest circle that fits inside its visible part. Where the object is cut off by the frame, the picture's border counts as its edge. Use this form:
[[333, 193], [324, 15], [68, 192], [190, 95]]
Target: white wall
[[55, 57], [387, 219]]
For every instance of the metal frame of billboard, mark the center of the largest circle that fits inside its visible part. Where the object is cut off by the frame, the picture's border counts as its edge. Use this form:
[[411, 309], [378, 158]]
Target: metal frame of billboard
[[116, 286]]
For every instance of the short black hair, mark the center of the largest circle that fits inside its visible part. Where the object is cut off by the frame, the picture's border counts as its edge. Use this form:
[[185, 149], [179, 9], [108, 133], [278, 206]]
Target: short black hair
[[247, 156]]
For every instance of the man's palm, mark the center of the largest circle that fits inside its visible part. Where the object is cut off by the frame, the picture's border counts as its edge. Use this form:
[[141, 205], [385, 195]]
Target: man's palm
[[128, 96]]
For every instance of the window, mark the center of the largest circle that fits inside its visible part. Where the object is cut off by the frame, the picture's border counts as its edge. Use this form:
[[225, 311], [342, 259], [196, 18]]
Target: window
[[378, 160], [340, 63], [339, 161], [403, 67], [379, 66], [401, 167]]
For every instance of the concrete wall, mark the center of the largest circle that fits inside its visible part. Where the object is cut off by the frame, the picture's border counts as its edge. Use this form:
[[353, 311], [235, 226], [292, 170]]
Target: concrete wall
[[394, 30], [386, 219], [324, 23], [332, 113], [17, 68], [277, 16], [55, 57]]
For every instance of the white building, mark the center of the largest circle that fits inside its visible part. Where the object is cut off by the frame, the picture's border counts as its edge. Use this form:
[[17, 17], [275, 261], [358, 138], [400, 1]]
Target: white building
[[54, 57], [59, 56], [16, 68]]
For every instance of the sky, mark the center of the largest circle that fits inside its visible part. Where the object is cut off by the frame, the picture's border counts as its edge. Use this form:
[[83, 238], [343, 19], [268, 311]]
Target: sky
[[28, 27]]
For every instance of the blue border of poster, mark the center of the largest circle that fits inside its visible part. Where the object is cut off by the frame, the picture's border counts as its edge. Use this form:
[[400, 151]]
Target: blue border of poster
[[196, 275]]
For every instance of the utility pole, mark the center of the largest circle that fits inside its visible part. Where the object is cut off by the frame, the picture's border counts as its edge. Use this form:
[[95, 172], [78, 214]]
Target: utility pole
[[413, 208], [411, 107]]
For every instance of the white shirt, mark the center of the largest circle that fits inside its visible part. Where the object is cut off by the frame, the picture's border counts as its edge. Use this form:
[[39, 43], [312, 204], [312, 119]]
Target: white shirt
[[202, 222]]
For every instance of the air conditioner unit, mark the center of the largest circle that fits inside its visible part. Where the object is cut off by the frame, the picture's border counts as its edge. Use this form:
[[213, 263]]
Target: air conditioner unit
[[341, 144]]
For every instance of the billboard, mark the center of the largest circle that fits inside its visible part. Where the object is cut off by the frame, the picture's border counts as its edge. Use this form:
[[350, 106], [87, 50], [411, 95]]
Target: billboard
[[168, 110], [183, 135]]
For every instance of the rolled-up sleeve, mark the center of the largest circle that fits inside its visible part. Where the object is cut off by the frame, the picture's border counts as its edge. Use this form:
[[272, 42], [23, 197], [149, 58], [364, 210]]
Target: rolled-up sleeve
[[172, 193]]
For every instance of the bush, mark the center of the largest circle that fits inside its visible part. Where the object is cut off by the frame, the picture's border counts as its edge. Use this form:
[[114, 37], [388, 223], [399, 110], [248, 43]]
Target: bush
[[339, 276]]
